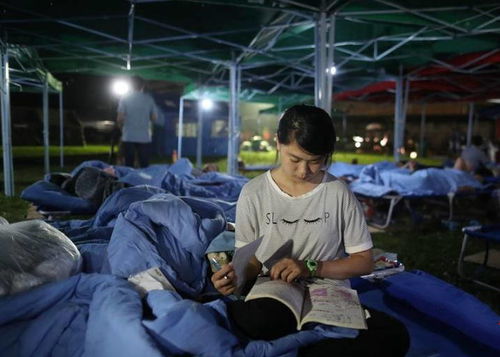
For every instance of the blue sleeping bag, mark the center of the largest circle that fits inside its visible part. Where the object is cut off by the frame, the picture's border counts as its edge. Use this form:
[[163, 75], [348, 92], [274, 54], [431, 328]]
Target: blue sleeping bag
[[176, 179], [50, 197], [86, 315], [168, 232], [447, 304], [382, 179]]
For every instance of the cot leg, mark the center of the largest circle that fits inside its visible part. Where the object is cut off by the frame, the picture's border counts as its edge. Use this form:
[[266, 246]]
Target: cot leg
[[392, 204], [461, 271], [461, 257], [451, 197]]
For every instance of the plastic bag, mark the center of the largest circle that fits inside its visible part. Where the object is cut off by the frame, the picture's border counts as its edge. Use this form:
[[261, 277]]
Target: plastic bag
[[33, 253]]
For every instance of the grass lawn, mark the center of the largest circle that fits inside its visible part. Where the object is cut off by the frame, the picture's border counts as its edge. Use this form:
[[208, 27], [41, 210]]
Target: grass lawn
[[427, 246]]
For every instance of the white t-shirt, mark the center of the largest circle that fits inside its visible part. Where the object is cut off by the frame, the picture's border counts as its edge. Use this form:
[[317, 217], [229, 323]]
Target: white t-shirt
[[137, 107], [324, 223]]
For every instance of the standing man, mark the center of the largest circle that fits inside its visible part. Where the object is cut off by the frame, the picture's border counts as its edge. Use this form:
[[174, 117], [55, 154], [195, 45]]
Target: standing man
[[136, 112]]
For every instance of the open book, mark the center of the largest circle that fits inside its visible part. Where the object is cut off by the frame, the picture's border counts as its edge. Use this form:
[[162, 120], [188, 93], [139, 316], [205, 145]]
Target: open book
[[325, 302]]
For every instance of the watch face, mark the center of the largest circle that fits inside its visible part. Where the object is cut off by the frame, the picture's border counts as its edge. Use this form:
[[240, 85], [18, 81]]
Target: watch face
[[311, 265]]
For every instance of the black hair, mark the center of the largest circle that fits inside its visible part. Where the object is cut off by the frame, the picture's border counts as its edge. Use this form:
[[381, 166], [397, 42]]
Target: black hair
[[311, 127], [477, 140], [138, 83]]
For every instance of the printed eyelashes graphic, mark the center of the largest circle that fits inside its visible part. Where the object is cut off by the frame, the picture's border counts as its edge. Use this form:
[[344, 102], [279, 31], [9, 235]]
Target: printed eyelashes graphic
[[312, 220], [305, 220]]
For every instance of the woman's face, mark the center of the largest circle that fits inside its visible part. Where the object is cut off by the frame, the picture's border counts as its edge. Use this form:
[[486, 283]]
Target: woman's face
[[299, 165]]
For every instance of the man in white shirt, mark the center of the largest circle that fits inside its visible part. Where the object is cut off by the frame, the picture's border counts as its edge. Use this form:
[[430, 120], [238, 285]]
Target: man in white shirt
[[136, 112]]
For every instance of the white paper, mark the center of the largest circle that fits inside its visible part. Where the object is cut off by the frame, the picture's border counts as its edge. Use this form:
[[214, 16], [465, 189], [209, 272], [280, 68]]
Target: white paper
[[151, 279], [240, 261]]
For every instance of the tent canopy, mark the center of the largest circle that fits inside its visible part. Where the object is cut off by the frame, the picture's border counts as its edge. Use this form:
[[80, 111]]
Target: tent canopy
[[272, 41], [470, 77], [27, 72]]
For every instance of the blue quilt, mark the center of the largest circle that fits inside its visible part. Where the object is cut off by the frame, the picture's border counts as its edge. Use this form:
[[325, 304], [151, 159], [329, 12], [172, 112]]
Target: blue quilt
[[100, 314], [377, 181], [176, 179]]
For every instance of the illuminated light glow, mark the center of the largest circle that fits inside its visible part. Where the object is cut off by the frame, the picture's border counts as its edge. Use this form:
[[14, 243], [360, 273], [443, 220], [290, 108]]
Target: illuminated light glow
[[207, 104], [332, 70], [358, 139], [357, 144], [413, 155], [120, 87]]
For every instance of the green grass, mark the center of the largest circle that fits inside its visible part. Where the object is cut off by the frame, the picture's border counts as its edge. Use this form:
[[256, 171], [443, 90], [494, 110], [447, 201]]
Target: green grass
[[38, 151], [252, 158]]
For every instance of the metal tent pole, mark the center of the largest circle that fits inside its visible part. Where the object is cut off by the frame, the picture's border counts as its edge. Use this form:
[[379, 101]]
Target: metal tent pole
[[8, 169], [61, 130], [234, 119], [130, 39], [404, 109], [470, 124], [329, 64], [180, 127], [422, 130], [199, 142], [320, 59], [344, 125], [46, 126], [398, 108]]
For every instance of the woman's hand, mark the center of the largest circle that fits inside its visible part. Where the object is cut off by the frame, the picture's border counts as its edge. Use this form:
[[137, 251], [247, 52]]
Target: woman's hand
[[288, 270], [225, 280]]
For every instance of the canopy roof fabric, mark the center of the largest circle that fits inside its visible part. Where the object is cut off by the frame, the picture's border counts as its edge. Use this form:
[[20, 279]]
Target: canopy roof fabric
[[470, 77], [272, 41]]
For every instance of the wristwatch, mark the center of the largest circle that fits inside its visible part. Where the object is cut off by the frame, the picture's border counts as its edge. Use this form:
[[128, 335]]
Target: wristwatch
[[312, 266]]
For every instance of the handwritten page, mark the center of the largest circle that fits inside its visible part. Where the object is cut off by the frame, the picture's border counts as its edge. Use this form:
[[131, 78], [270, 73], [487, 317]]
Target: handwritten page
[[335, 305]]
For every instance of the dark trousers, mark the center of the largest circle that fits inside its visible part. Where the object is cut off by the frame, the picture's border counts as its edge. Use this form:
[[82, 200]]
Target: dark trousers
[[269, 319], [143, 152]]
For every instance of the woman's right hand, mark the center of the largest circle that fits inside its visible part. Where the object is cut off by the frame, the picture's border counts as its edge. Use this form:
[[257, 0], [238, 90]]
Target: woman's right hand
[[224, 280]]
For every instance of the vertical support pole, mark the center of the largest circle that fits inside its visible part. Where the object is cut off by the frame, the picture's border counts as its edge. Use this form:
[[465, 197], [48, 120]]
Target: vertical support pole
[[329, 64], [422, 131], [344, 125], [46, 126], [470, 124], [199, 142], [404, 108], [61, 130], [131, 14], [398, 108], [320, 59], [8, 167], [234, 119], [180, 127]]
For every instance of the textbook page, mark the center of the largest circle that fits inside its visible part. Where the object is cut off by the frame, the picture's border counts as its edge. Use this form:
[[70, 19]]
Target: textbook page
[[333, 305], [290, 294]]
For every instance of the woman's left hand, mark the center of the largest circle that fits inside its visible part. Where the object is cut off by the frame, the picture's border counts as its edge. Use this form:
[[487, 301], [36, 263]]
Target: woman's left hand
[[288, 270]]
